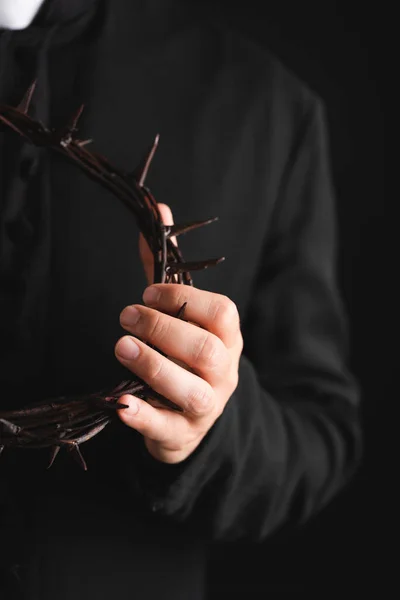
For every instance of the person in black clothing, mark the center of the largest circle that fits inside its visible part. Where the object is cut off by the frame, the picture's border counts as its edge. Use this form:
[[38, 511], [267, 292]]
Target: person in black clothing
[[272, 430]]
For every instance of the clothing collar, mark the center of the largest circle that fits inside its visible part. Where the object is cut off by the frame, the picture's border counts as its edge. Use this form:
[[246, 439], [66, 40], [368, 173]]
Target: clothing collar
[[59, 11]]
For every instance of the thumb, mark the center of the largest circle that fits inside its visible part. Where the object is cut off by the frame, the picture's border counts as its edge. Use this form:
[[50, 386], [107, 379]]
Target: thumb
[[144, 250]]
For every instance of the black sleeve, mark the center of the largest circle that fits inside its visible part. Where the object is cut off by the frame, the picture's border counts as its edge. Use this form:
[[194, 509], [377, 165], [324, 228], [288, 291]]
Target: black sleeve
[[289, 437]]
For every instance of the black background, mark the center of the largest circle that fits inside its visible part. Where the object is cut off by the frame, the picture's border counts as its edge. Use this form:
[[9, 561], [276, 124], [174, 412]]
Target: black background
[[338, 50]]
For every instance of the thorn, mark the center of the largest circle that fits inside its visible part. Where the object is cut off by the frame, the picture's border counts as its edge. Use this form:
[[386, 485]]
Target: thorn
[[181, 267], [140, 173], [109, 405], [73, 122], [14, 127], [1, 449], [54, 451], [10, 427], [23, 106], [84, 142], [175, 230], [65, 135], [76, 453], [181, 311]]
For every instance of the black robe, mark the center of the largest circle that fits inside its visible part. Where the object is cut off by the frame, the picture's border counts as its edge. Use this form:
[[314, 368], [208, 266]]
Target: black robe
[[241, 139]]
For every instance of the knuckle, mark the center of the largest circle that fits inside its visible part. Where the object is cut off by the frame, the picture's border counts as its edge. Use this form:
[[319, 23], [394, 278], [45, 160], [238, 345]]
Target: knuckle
[[156, 370], [199, 400], [208, 351], [219, 409], [157, 327], [226, 312], [234, 380], [241, 342], [179, 296], [165, 434]]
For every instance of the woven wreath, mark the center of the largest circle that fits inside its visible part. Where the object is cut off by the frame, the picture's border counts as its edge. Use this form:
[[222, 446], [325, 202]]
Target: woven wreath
[[68, 421]]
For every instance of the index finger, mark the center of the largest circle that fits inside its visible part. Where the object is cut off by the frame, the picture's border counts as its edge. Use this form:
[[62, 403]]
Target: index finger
[[216, 313]]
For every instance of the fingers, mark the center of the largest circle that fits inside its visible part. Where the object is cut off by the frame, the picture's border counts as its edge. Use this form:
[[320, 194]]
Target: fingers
[[169, 429], [194, 395], [214, 312], [194, 346]]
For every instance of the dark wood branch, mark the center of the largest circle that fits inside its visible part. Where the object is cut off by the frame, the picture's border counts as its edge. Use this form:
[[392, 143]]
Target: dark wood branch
[[68, 421]]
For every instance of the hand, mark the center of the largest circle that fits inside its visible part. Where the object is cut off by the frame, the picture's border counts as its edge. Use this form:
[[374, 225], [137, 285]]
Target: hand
[[200, 371]]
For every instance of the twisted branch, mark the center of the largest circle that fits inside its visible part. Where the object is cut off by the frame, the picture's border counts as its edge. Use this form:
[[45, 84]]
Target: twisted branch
[[66, 422]]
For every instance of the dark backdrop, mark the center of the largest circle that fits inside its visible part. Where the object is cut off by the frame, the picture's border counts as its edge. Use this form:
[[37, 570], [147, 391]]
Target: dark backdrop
[[337, 48]]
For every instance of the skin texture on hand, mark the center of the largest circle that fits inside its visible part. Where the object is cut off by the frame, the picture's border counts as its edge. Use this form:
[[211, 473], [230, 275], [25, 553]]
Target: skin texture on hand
[[200, 371]]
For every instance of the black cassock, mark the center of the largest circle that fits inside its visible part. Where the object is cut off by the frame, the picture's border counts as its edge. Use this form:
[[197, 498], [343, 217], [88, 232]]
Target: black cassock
[[242, 139]]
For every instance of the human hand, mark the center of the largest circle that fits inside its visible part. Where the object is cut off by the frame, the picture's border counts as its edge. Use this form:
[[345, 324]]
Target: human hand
[[200, 371]]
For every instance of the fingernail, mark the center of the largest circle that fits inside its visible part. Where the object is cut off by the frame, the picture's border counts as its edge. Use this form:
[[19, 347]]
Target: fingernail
[[127, 348], [151, 295], [133, 406], [129, 316]]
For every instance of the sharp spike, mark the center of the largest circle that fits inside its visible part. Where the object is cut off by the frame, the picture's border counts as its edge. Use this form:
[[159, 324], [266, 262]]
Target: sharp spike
[[53, 453], [65, 134], [181, 267], [14, 127], [73, 122], [1, 449], [10, 427], [118, 406], [140, 173], [23, 106], [84, 142], [108, 405], [181, 311], [175, 230], [77, 454]]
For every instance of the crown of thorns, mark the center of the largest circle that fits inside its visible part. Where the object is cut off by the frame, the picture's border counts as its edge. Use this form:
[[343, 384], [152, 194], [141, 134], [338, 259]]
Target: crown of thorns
[[68, 421]]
